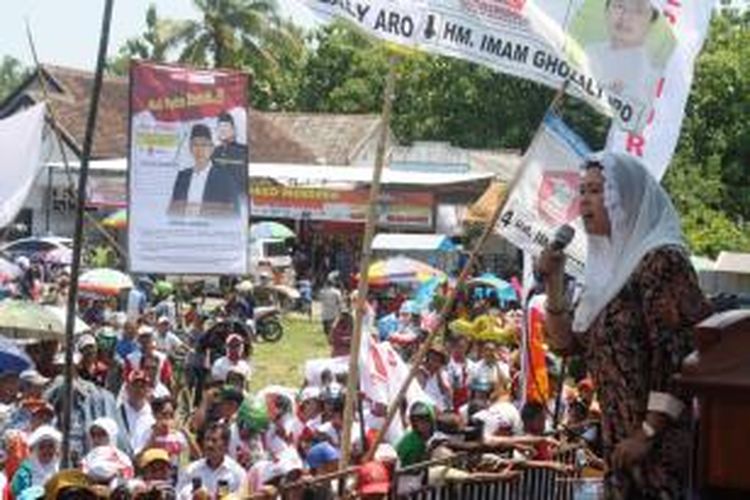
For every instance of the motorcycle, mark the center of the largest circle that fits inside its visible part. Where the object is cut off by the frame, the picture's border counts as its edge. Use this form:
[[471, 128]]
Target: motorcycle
[[268, 324]]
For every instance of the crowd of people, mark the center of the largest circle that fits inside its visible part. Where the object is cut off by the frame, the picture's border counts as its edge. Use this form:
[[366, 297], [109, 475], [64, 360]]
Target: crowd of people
[[161, 403], [161, 406]]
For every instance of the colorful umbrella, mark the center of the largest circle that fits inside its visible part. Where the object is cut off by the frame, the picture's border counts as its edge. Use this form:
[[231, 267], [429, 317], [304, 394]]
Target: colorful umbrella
[[28, 320], [104, 281], [273, 230], [504, 290], [401, 269], [13, 359], [117, 220]]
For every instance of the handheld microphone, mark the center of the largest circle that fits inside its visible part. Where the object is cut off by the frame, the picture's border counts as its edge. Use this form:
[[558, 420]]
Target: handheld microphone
[[562, 237]]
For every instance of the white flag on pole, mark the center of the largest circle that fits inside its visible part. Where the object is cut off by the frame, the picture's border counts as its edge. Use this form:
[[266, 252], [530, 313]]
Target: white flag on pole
[[546, 195], [21, 147]]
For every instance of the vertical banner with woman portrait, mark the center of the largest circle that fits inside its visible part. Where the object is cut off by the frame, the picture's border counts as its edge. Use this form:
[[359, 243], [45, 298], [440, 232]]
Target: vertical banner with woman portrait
[[187, 175]]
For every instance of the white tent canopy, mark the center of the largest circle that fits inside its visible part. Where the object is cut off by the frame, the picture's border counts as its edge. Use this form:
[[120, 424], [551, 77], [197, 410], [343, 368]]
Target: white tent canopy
[[415, 242], [300, 174]]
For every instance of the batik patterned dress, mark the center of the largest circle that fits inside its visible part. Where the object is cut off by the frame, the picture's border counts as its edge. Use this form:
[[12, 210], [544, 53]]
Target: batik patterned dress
[[635, 346]]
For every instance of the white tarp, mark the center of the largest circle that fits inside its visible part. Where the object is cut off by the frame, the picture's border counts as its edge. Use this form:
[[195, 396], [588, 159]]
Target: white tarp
[[547, 194], [20, 148]]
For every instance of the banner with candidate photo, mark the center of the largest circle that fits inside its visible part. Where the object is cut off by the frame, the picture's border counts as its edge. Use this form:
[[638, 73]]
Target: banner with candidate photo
[[614, 53], [546, 195], [187, 175]]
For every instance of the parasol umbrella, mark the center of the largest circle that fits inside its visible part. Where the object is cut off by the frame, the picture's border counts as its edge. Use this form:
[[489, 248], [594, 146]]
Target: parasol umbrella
[[401, 269], [62, 314], [8, 270], [13, 359], [504, 290], [60, 256], [104, 281], [28, 320], [273, 230], [117, 220]]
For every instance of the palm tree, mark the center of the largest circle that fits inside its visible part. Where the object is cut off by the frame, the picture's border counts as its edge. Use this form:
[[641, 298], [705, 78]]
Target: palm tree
[[230, 32]]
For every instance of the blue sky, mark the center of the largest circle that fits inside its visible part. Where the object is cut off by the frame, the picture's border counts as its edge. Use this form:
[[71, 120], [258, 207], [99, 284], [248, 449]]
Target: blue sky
[[66, 32]]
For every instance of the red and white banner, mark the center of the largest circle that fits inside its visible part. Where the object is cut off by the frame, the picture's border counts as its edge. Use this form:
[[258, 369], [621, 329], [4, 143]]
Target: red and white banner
[[397, 208], [187, 181]]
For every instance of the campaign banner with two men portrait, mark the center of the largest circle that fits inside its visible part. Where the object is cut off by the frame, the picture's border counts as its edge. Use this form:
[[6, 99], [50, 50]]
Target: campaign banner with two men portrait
[[188, 178]]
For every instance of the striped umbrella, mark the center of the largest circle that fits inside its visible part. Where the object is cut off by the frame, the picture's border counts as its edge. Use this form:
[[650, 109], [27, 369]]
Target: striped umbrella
[[117, 220], [28, 320], [104, 281], [401, 269]]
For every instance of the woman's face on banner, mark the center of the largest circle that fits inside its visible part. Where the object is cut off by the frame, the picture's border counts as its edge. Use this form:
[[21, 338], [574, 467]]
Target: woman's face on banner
[[628, 22]]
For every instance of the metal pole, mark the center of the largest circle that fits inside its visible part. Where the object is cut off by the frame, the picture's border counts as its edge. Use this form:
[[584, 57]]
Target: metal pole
[[364, 265], [78, 234]]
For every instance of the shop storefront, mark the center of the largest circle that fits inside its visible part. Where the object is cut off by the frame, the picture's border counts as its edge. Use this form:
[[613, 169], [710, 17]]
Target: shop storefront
[[329, 223]]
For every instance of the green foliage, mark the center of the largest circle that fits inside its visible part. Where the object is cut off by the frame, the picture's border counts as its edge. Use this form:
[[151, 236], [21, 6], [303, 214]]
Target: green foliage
[[339, 70], [709, 179], [12, 73]]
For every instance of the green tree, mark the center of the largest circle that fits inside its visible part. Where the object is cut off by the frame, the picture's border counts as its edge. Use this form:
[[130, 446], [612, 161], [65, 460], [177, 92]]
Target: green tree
[[154, 44], [437, 98], [12, 74], [227, 34], [709, 179]]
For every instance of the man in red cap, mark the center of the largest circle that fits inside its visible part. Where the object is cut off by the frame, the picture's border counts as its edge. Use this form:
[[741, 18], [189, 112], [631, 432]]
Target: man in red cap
[[373, 481]]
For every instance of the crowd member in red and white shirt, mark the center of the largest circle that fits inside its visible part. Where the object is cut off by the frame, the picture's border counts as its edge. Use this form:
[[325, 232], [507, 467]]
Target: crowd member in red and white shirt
[[164, 434], [434, 379], [147, 347], [459, 371]]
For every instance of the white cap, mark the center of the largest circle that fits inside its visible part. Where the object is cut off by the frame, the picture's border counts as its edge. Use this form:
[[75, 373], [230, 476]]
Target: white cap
[[33, 377], [309, 393], [386, 453], [44, 433], [163, 319], [85, 340], [145, 330]]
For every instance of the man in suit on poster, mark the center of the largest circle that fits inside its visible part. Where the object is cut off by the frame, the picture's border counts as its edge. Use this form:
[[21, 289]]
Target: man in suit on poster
[[230, 153], [204, 189]]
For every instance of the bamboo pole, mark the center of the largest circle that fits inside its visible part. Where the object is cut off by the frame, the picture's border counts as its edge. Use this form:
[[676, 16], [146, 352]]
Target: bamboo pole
[[352, 392], [419, 356], [78, 235]]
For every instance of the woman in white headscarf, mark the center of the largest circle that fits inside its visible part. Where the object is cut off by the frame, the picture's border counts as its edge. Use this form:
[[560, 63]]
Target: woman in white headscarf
[[42, 463], [631, 325], [105, 461]]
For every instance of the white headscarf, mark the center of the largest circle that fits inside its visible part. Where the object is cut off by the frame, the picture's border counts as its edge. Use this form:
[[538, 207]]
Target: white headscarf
[[109, 426], [40, 472], [642, 219]]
